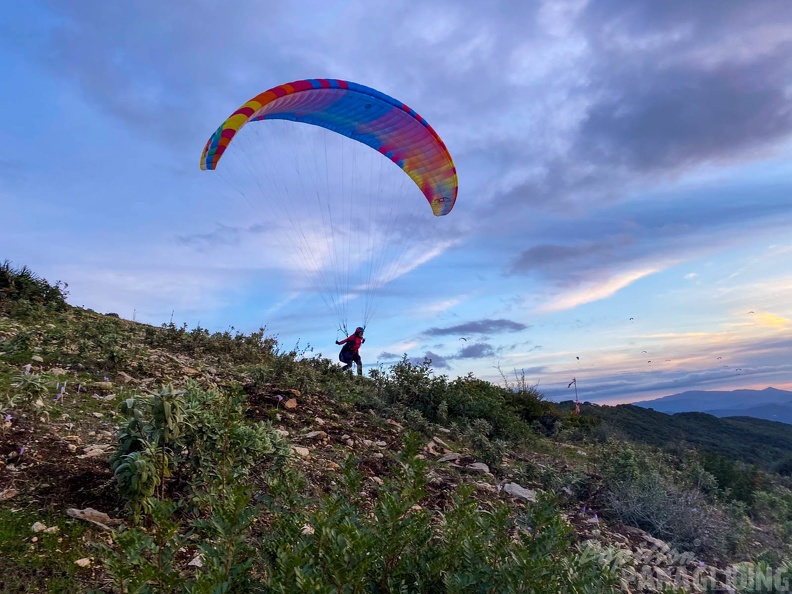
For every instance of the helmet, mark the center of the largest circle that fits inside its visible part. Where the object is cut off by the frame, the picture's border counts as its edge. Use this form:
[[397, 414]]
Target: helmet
[[358, 330]]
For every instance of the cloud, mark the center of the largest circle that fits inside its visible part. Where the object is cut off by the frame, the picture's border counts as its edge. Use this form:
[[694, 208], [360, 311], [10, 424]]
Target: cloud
[[594, 292], [385, 355], [476, 351], [438, 361], [485, 326]]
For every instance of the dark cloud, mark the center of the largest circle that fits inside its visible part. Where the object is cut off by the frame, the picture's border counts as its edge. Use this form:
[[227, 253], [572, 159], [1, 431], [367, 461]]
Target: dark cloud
[[438, 361], [385, 355], [486, 326], [476, 351]]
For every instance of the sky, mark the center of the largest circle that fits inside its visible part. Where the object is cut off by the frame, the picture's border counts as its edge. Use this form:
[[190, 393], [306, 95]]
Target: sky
[[625, 177]]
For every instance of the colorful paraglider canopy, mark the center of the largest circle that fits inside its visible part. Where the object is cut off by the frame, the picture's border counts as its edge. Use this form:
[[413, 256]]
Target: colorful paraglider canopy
[[362, 114]]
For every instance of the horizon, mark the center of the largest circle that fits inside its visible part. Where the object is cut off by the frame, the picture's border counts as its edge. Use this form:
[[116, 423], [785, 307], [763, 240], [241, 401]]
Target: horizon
[[624, 174]]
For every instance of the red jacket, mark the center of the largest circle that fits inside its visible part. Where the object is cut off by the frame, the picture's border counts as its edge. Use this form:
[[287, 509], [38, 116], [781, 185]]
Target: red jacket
[[354, 341]]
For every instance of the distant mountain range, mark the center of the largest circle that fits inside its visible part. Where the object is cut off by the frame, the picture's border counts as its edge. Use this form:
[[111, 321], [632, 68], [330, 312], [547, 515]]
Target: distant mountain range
[[770, 404]]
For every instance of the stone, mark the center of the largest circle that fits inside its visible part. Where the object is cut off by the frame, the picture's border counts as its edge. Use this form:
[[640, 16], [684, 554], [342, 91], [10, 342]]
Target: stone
[[290, 403], [58, 371], [478, 467], [486, 487], [381, 444], [124, 377], [102, 385], [282, 432], [7, 494], [37, 359], [302, 452], [84, 562], [316, 435], [93, 451], [452, 457], [38, 527], [350, 442], [318, 421], [430, 448], [516, 490], [441, 443], [89, 514], [196, 561]]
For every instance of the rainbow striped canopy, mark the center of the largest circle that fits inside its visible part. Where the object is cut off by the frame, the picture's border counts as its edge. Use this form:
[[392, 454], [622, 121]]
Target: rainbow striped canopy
[[360, 113]]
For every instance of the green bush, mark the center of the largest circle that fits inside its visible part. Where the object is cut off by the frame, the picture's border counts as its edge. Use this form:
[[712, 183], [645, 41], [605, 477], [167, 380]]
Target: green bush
[[338, 542]]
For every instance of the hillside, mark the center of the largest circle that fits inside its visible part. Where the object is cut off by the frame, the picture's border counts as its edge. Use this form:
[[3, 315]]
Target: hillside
[[137, 458], [756, 441]]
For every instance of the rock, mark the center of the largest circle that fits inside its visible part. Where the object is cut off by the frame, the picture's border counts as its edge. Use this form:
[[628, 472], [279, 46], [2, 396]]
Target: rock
[[196, 561], [368, 443], [381, 444], [333, 466], [478, 467], [429, 448], [290, 403], [73, 438], [98, 415], [377, 455], [452, 457], [84, 562], [89, 514], [124, 377], [316, 435], [282, 432], [344, 437], [516, 490], [7, 494], [38, 527], [441, 443], [394, 424], [37, 359], [51, 530], [72, 448], [444, 430], [350, 443], [376, 479], [302, 452], [93, 451], [486, 487], [58, 371], [318, 421], [102, 385]]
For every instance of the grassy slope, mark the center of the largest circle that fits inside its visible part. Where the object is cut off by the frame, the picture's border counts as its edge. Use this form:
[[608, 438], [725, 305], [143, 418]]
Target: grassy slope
[[105, 359]]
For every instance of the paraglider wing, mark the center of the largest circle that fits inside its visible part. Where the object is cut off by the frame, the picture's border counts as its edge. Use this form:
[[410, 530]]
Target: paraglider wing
[[362, 114]]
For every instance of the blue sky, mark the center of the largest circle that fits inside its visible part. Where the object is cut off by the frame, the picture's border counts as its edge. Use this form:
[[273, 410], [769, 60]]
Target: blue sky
[[624, 169]]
